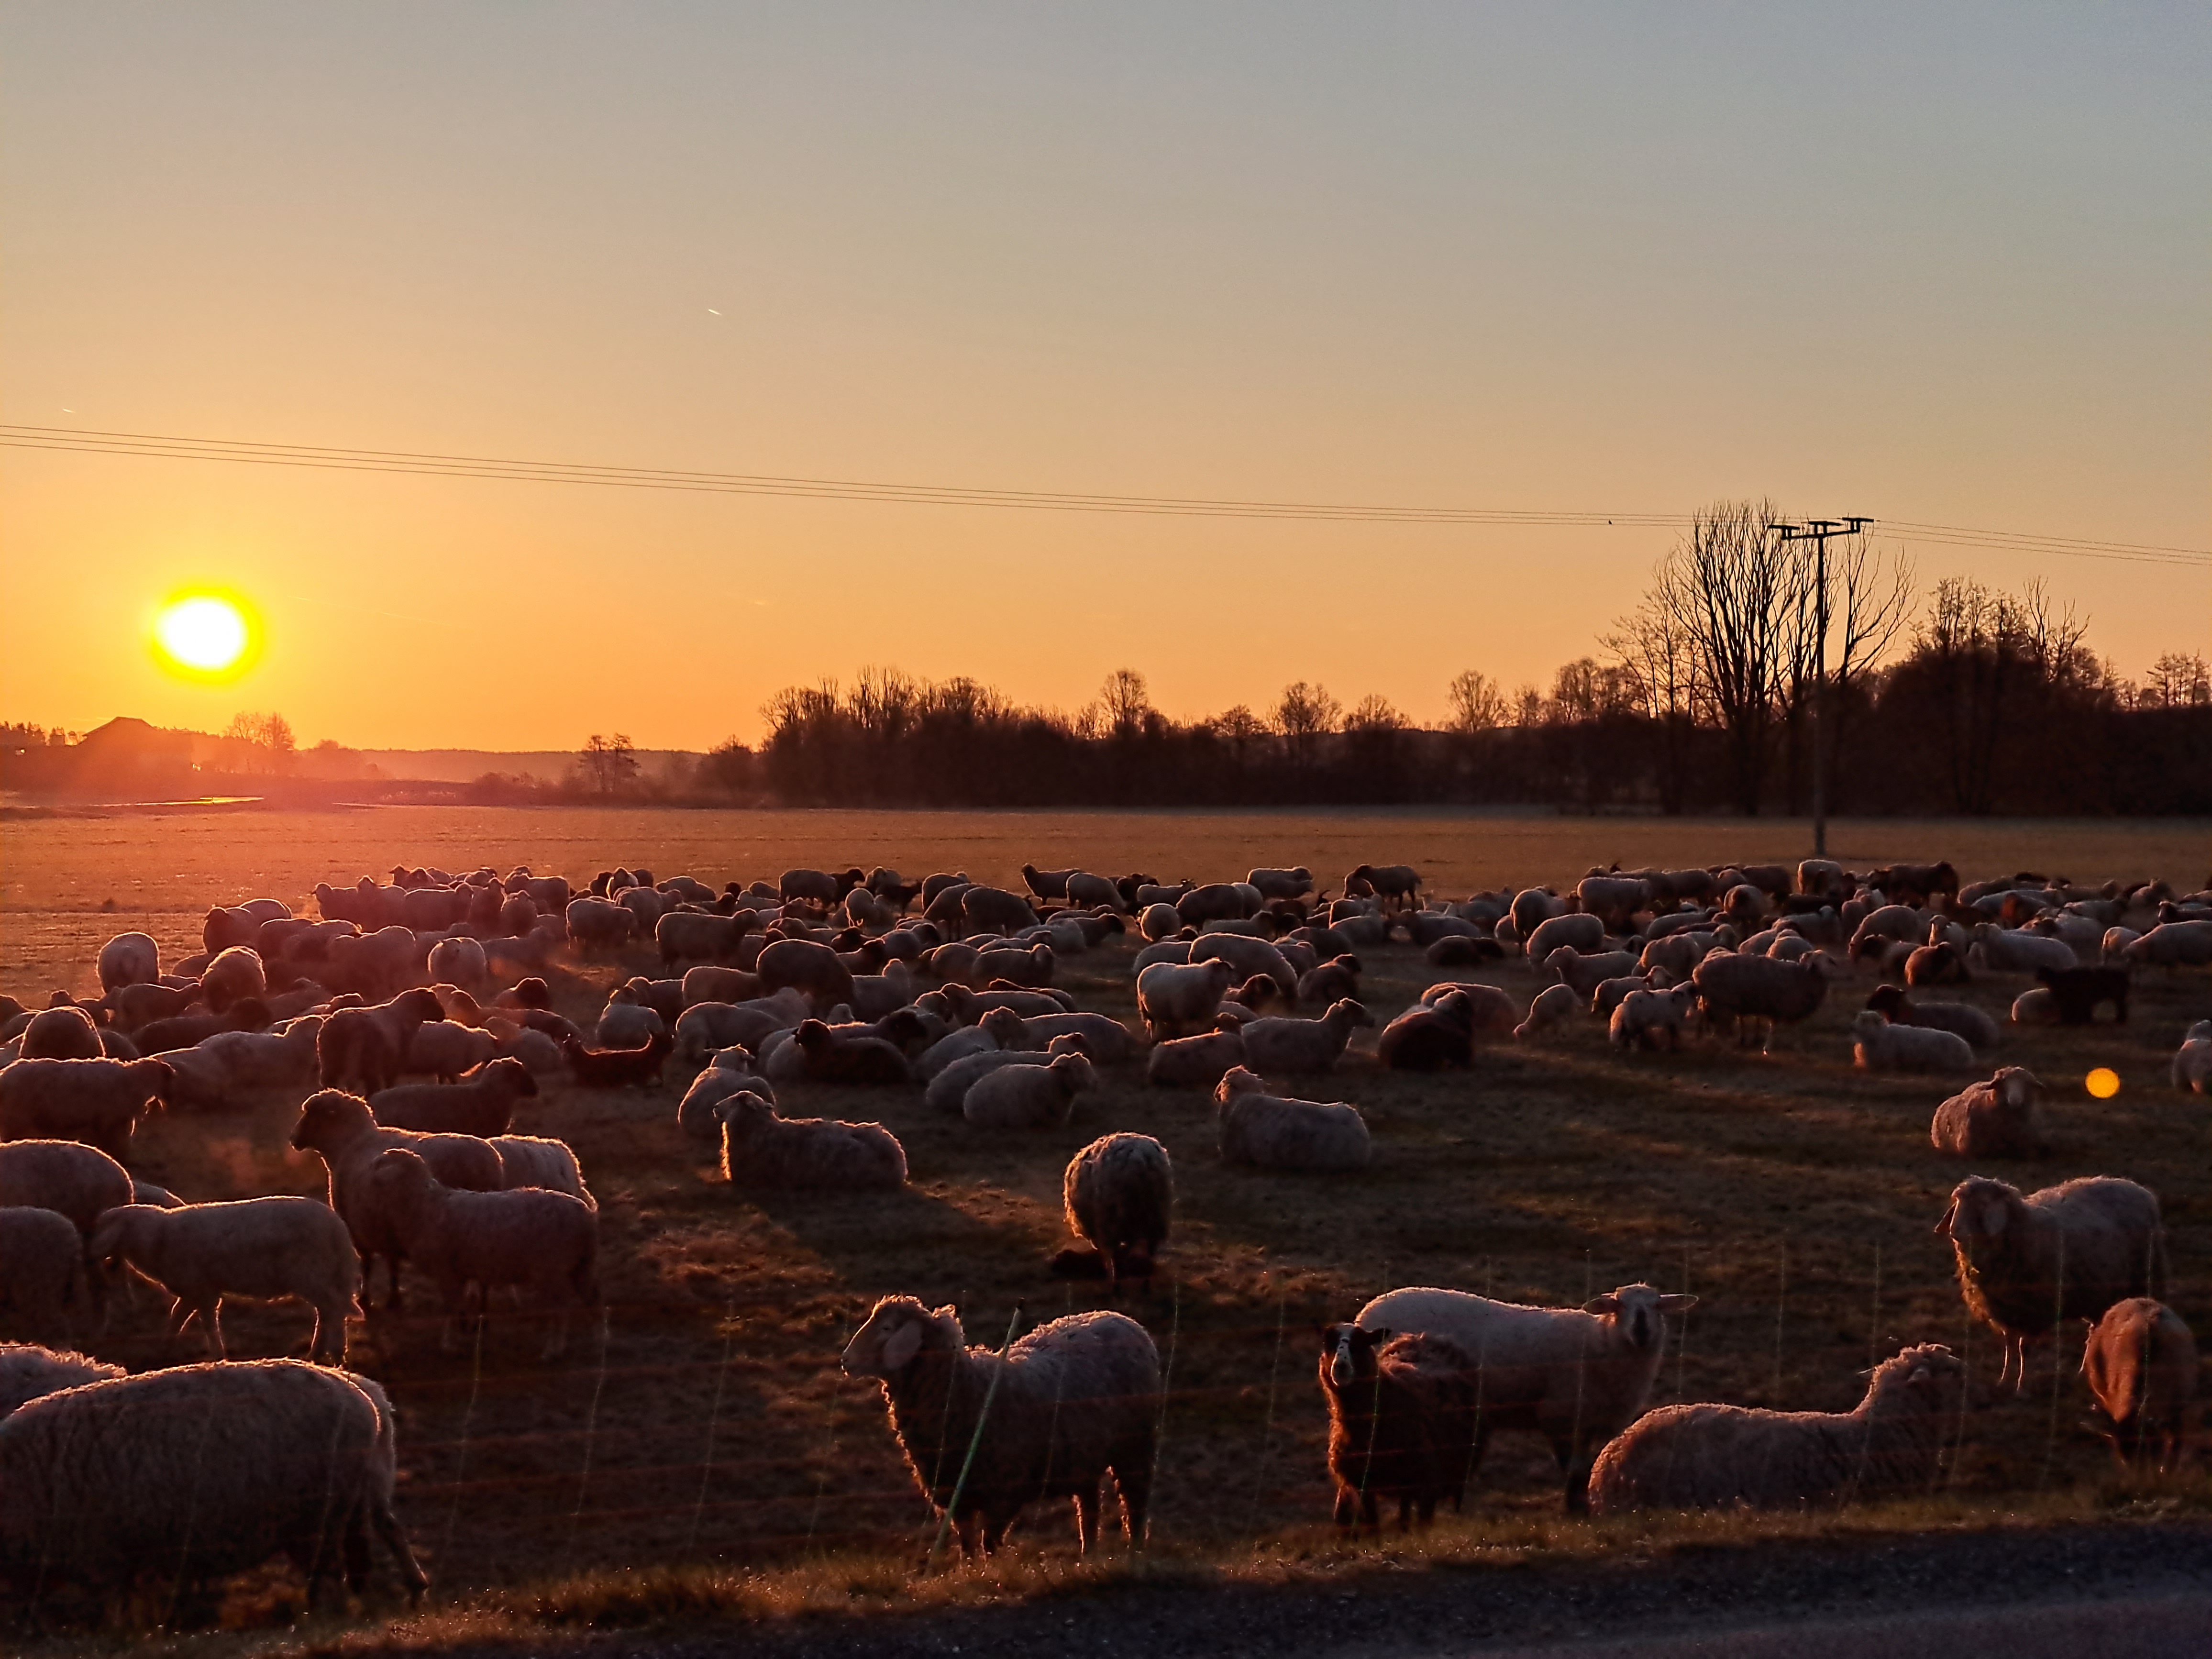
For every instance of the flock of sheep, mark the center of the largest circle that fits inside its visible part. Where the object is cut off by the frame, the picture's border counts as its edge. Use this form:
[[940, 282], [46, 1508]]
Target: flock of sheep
[[945, 988]]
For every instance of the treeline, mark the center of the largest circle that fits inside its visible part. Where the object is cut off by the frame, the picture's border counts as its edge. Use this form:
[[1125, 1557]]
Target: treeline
[[1978, 703]]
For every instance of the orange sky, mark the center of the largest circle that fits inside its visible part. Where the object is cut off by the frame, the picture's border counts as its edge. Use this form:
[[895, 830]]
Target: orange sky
[[1947, 269]]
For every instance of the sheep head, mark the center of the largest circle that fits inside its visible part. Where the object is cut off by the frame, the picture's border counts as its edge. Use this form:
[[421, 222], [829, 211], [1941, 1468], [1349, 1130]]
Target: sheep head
[[1980, 1213], [1350, 1352], [1237, 1081], [328, 1118], [897, 1329], [1638, 1313]]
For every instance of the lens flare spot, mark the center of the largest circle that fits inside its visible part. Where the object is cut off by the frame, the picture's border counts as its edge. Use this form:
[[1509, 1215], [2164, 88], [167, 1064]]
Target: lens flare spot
[[2104, 1083], [204, 636]]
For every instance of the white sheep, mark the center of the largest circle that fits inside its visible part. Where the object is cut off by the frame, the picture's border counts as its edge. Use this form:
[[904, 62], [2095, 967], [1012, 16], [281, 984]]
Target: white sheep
[[1879, 1045], [1272, 1132], [1177, 999], [1710, 1456], [1027, 1096], [2000, 949], [542, 1161], [1641, 1018], [2172, 944], [459, 961], [269, 1248], [1553, 1007], [760, 1149], [1118, 1194], [129, 959], [1196, 1062], [1576, 1376], [1275, 1044]]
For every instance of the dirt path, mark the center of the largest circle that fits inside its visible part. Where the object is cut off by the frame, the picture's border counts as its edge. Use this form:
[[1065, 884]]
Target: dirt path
[[2117, 1591]]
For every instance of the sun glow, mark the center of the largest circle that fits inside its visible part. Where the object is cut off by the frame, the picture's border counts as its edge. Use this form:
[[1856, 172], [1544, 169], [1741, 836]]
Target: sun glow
[[204, 636]]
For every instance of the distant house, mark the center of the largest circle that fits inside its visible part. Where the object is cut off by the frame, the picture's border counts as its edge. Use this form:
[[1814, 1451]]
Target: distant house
[[127, 757]]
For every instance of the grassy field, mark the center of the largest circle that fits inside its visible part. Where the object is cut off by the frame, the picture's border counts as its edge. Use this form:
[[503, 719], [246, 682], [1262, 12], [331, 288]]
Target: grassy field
[[708, 1425]]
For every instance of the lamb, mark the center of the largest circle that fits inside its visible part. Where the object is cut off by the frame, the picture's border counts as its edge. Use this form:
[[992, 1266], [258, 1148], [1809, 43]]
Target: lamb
[[1280, 1045], [616, 1068], [1196, 1060], [1028, 1096], [1067, 1404], [1936, 963], [2077, 992], [98, 1102], [1175, 998], [1269, 1132], [459, 961], [1401, 1421], [828, 1057], [340, 1127], [1979, 1030], [1553, 1007], [1431, 1036], [129, 959], [1642, 1017], [29, 1373], [1878, 1046], [483, 1106], [1118, 1194], [541, 1161], [1576, 1376], [2192, 1062], [270, 1248], [371, 1044], [233, 975], [66, 1176], [1756, 992], [2068, 1252], [44, 1289], [1711, 1456], [1996, 1118], [208, 1469], [760, 1149], [2141, 1364], [544, 1242], [1583, 972]]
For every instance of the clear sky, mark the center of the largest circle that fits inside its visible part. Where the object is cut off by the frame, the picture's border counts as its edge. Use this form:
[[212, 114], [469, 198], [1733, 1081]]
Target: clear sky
[[1942, 264]]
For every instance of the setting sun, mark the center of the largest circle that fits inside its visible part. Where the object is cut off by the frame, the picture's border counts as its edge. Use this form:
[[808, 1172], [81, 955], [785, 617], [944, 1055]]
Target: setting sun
[[204, 635]]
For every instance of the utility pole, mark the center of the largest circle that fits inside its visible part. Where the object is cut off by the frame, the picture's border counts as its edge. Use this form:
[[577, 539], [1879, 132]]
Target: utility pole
[[1817, 532]]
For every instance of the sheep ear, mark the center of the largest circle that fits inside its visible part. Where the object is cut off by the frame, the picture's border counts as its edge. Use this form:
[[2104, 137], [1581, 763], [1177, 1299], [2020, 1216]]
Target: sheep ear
[[1677, 1301], [1946, 1227], [1608, 1304], [899, 1348]]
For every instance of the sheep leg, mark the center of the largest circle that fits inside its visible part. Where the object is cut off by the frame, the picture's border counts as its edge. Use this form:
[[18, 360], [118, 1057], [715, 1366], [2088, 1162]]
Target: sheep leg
[[211, 1325], [1346, 1510], [1086, 1519], [395, 1540], [1135, 1478]]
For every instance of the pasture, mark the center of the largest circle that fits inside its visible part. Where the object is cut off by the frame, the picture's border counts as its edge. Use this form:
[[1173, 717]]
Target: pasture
[[708, 1422]]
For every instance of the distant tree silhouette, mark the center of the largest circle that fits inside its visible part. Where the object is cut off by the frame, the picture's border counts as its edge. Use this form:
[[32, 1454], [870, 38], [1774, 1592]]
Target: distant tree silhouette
[[608, 765]]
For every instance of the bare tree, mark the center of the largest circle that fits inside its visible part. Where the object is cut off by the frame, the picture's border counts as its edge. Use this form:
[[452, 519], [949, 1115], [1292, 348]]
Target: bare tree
[[1477, 704], [2177, 680], [609, 764], [1305, 715], [1125, 703], [1870, 602], [1654, 650]]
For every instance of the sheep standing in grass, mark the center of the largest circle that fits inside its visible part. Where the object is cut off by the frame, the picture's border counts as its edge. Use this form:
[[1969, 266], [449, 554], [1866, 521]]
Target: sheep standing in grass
[[1642, 1019], [371, 1044], [209, 1470], [29, 1373], [1754, 993], [1998, 1118], [269, 1248], [1179, 999], [482, 1106], [1576, 1376], [2068, 1252], [1119, 1196], [760, 1149], [1075, 1399], [44, 1291], [1708, 1456], [1878, 1046], [2192, 1062], [1270, 1131], [1401, 1416], [1551, 1009], [2141, 1364], [542, 1161], [545, 1242]]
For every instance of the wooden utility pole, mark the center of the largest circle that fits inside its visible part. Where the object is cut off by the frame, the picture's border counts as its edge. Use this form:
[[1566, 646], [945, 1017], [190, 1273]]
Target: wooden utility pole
[[1817, 532]]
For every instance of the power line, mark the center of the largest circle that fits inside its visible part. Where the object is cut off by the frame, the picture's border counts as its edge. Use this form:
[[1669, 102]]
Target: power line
[[155, 445]]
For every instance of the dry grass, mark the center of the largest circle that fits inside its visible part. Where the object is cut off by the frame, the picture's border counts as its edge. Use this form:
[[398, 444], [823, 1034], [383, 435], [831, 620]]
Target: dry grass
[[574, 1494]]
